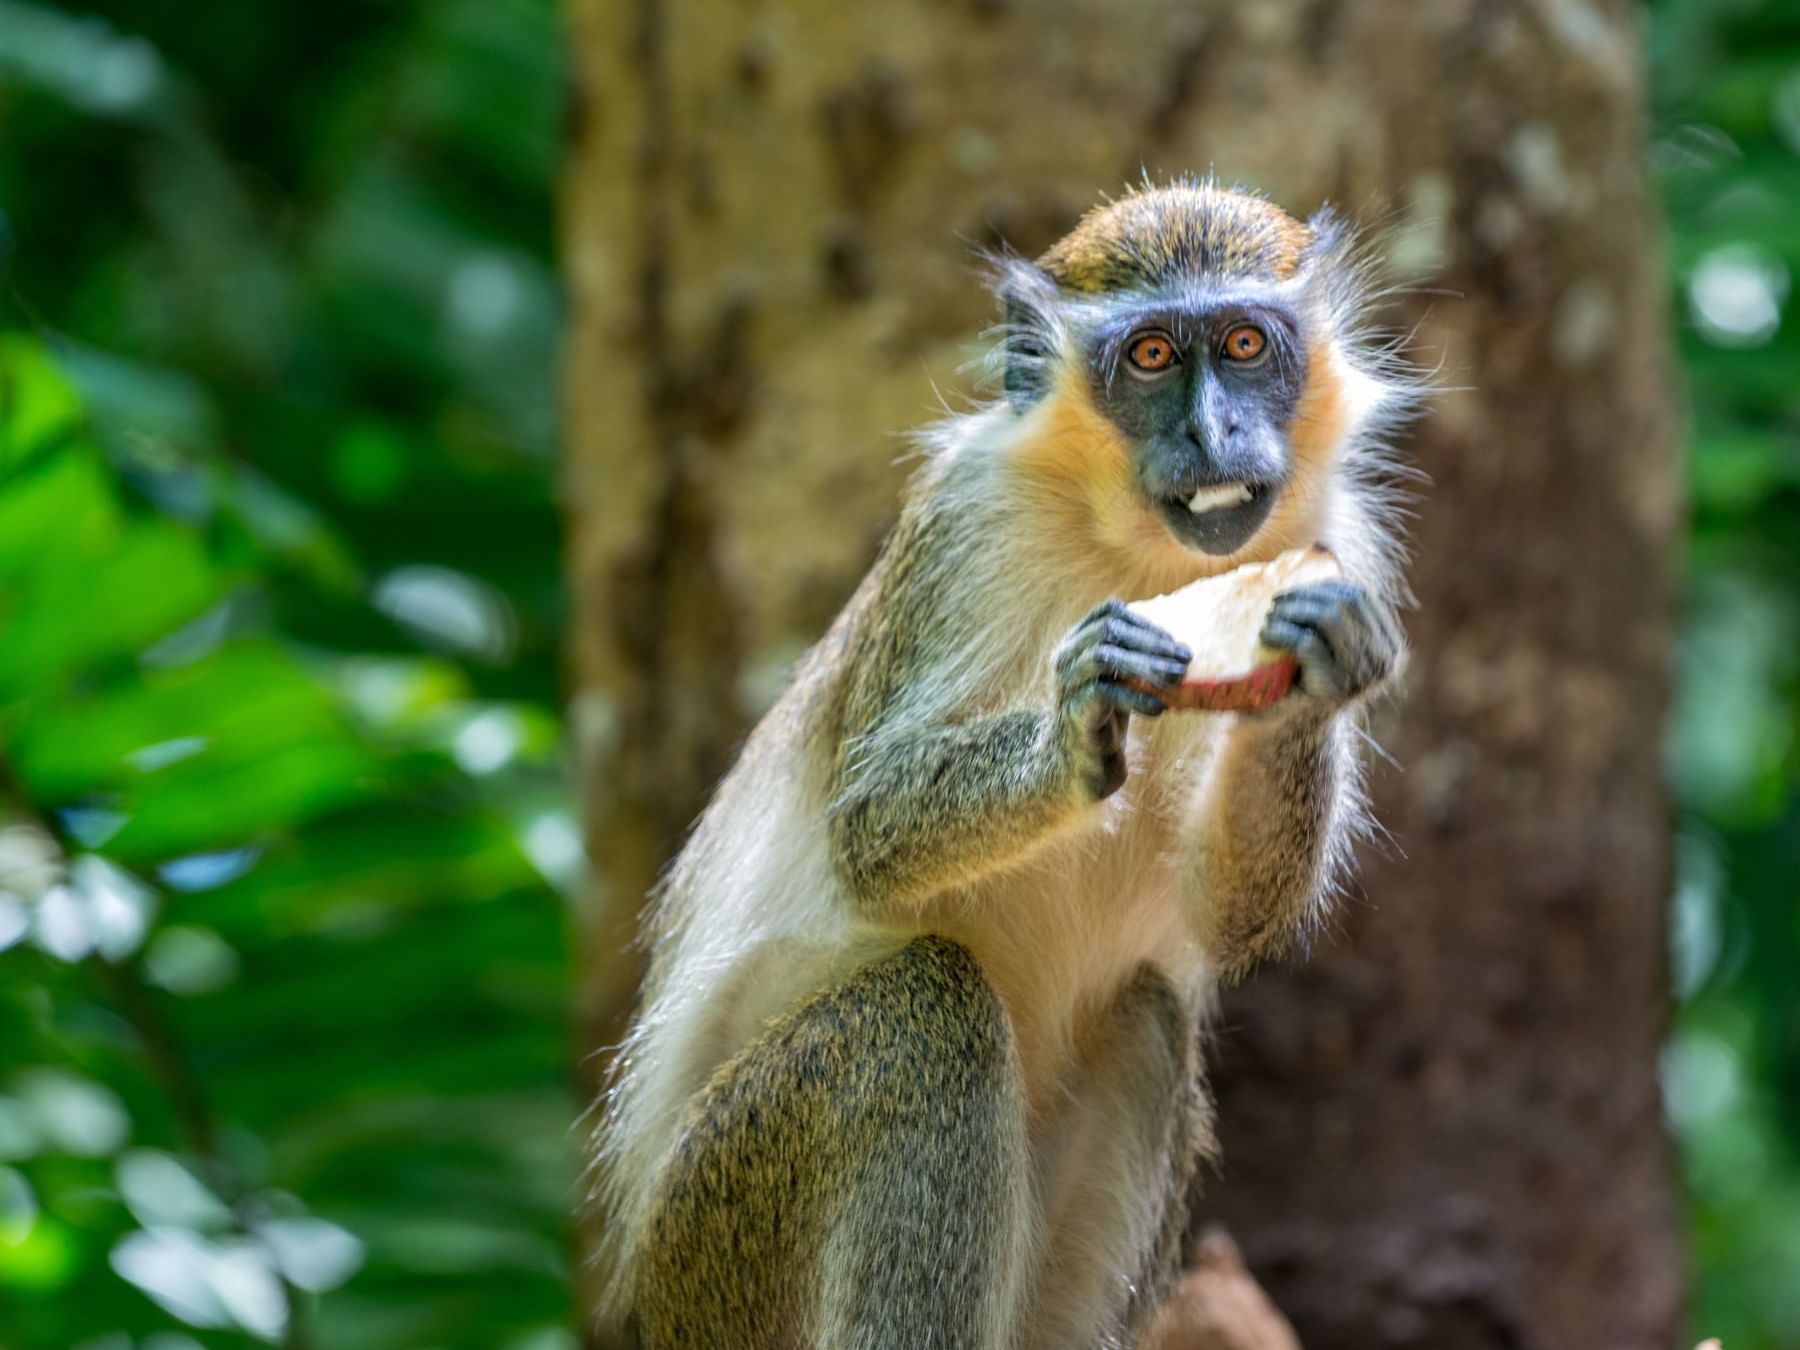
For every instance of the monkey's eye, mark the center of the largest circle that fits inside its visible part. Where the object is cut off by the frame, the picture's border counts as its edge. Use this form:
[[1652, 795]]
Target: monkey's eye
[[1152, 352], [1244, 343]]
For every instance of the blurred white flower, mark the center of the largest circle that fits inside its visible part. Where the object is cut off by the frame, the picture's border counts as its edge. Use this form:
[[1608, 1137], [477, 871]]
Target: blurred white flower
[[102, 908], [169, 1264], [1735, 294], [554, 846], [160, 1191], [187, 960], [214, 1283], [485, 296], [448, 610], [59, 924], [488, 741], [1702, 1079], [75, 1115], [119, 906], [314, 1254], [30, 863], [247, 1286]]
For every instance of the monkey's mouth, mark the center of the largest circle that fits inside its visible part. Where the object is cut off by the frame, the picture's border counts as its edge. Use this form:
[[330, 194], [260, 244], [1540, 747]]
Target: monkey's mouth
[[1218, 518]]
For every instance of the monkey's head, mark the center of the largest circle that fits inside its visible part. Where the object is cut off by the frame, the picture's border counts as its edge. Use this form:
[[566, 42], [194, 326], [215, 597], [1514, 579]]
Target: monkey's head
[[1191, 344]]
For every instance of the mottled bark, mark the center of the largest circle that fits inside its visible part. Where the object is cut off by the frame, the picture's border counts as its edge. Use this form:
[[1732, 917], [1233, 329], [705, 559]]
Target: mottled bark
[[1443, 1131]]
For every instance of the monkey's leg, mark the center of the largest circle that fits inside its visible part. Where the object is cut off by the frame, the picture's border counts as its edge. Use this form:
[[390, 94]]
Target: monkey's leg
[[1116, 1184], [854, 1179]]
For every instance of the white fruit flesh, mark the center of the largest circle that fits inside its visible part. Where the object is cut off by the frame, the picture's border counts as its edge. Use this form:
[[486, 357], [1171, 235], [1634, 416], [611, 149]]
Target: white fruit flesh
[[1221, 618]]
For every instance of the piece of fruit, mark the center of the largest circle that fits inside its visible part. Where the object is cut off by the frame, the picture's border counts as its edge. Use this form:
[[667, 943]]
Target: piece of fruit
[[1221, 619]]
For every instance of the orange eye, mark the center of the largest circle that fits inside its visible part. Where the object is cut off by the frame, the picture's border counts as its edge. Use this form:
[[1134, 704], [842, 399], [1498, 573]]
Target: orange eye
[[1152, 352], [1244, 343]]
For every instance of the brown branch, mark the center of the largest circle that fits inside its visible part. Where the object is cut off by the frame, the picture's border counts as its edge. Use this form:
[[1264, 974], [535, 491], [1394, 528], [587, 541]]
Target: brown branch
[[1219, 1306]]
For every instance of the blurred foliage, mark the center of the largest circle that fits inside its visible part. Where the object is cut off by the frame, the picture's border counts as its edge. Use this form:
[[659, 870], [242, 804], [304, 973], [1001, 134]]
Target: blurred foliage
[[283, 992], [1726, 85], [282, 986]]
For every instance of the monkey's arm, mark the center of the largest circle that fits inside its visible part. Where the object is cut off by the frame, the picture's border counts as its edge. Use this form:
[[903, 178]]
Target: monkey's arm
[[1282, 798], [1272, 821], [922, 801]]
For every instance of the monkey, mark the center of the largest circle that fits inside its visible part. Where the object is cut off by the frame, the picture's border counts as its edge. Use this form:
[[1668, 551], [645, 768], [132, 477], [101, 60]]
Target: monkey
[[917, 1062]]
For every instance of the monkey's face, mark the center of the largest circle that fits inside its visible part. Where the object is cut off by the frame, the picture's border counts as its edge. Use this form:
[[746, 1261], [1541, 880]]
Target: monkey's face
[[1203, 393]]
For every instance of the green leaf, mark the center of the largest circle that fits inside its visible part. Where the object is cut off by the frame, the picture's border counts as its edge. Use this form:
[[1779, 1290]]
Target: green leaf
[[37, 405], [90, 599]]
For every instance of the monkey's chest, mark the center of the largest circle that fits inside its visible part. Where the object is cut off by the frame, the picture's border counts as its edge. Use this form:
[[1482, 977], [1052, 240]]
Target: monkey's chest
[[1063, 935]]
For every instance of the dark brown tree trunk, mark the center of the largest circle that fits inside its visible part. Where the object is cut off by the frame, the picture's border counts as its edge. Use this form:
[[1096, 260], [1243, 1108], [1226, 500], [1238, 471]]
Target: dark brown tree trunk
[[1444, 1130]]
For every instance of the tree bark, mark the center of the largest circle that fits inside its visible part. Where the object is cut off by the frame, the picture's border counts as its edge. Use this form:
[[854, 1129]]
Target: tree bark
[[1444, 1129]]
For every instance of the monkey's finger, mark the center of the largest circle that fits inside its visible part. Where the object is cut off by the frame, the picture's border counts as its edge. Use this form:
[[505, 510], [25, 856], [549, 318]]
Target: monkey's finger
[[1139, 701], [1115, 662], [1280, 633], [1305, 642], [1111, 623], [1106, 609], [1320, 674], [1079, 645], [1313, 610], [1352, 606], [1086, 661], [1325, 620], [1143, 636], [1347, 591]]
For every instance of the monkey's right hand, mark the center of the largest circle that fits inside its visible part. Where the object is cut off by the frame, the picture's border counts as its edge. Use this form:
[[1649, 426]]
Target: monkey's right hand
[[1109, 667]]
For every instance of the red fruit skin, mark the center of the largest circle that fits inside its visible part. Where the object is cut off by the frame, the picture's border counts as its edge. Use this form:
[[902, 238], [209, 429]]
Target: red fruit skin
[[1252, 692]]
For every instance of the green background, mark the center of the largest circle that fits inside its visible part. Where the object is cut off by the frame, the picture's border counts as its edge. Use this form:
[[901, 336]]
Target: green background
[[284, 832]]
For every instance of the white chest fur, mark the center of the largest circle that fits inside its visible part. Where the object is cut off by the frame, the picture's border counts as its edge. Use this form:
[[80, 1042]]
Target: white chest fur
[[1060, 932]]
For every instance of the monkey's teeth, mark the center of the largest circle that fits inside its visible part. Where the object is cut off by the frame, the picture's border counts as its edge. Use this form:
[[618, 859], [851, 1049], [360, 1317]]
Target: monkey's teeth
[[1212, 498]]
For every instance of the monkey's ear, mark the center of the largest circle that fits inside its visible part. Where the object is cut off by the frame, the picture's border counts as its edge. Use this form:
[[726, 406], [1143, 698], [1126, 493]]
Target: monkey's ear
[[1330, 236], [1027, 358], [1028, 335]]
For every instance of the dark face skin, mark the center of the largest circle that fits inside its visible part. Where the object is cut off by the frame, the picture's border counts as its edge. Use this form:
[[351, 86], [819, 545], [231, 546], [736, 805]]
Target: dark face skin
[[1204, 393]]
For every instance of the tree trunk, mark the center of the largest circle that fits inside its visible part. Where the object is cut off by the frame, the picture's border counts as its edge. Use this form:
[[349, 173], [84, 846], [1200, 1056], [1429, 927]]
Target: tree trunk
[[1444, 1130]]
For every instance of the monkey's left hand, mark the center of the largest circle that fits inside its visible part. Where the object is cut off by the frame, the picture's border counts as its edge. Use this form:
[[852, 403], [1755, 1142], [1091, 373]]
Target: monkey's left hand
[[1346, 643]]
